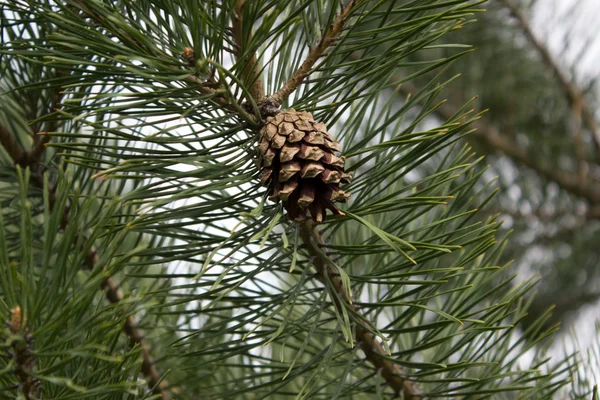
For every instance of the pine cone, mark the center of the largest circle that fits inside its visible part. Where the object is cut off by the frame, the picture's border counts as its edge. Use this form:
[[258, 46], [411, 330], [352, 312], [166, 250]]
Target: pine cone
[[299, 165]]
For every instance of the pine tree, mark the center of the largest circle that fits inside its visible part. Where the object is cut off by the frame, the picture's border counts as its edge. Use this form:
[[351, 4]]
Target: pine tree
[[141, 257]]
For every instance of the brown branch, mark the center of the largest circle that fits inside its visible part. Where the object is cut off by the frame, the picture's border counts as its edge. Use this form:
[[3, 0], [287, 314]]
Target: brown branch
[[583, 168], [317, 52], [251, 75], [327, 272], [393, 374], [374, 352], [219, 93], [115, 295], [488, 136], [574, 95]]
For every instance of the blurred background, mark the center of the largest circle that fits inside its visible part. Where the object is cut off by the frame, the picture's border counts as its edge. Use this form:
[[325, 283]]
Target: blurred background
[[536, 69]]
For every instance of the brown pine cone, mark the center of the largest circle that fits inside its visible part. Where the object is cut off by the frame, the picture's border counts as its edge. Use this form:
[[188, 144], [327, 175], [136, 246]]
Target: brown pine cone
[[299, 165]]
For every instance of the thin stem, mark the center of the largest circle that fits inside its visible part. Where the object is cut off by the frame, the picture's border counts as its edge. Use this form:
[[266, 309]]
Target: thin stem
[[394, 375], [315, 54], [574, 95], [220, 99]]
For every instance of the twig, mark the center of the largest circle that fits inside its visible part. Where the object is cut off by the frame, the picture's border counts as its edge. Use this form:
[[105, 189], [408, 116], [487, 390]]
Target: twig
[[220, 99], [374, 352], [327, 40], [251, 72], [393, 374], [193, 80], [574, 95]]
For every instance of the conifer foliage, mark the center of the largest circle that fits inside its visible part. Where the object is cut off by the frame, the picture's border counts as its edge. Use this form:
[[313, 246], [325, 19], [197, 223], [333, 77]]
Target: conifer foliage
[[142, 255]]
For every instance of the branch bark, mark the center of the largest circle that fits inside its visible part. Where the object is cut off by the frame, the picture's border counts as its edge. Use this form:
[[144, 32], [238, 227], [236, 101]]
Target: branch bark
[[574, 95], [393, 374], [314, 55], [155, 382]]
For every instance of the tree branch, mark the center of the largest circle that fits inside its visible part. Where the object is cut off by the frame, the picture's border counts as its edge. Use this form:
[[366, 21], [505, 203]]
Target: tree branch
[[489, 137], [231, 104], [393, 374], [221, 96], [574, 95], [317, 52], [251, 73]]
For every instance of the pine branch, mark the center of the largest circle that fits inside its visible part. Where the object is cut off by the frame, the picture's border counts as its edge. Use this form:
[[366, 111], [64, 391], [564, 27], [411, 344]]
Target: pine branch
[[393, 374], [488, 136], [315, 54], [113, 293], [251, 72], [574, 95]]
